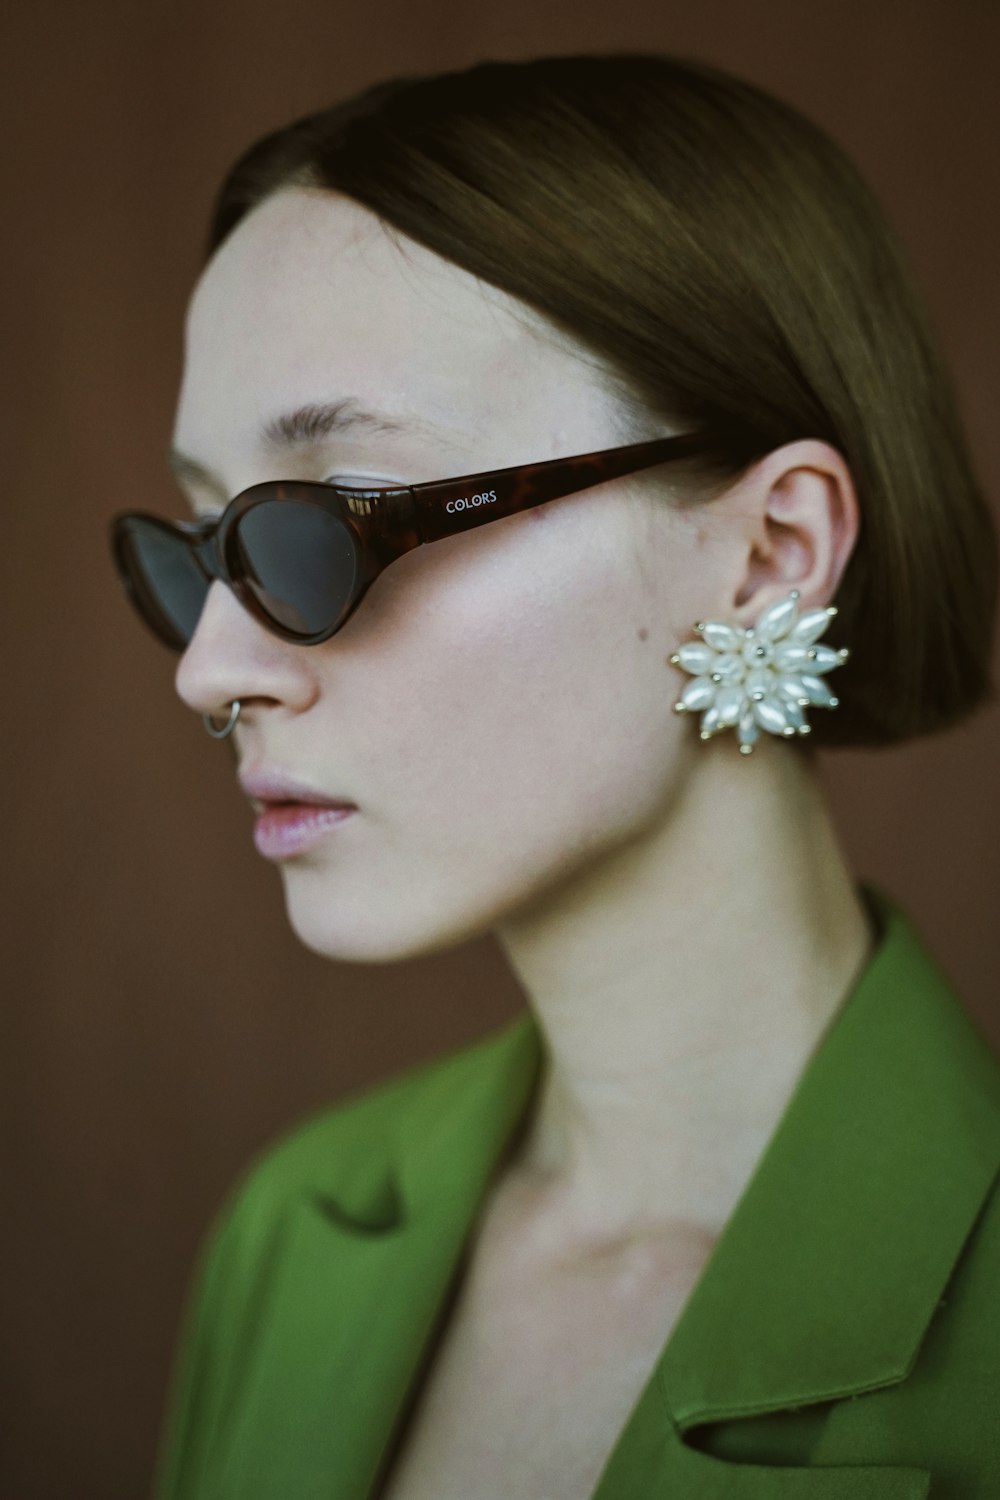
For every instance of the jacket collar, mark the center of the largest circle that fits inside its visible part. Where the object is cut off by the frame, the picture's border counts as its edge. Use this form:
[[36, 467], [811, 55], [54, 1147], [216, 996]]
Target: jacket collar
[[832, 1264], [818, 1287]]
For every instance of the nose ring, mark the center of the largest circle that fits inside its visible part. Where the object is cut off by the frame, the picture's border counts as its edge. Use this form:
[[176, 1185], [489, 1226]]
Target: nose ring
[[220, 734]]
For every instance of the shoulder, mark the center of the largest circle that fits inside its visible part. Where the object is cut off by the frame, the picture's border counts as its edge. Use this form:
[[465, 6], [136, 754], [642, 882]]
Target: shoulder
[[317, 1151], [255, 1248]]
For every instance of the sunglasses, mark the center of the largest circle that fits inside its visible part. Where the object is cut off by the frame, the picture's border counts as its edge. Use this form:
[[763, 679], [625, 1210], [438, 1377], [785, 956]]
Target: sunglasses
[[301, 555]]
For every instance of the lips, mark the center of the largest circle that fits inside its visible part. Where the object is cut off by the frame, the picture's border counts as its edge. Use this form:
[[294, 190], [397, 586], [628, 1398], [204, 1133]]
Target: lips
[[275, 788]]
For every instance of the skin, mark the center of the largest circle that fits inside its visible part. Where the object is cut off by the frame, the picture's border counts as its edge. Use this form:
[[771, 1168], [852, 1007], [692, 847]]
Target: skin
[[500, 708]]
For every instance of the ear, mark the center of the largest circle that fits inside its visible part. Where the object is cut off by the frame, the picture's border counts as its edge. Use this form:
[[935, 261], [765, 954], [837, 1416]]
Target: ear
[[802, 521]]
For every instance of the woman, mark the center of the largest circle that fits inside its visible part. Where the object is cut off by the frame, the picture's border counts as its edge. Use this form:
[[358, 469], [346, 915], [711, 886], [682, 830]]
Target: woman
[[715, 1215]]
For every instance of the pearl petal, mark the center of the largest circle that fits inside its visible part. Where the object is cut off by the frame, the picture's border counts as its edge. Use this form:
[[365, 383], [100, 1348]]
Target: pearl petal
[[748, 731], [809, 627], [776, 619], [698, 693], [696, 656], [710, 720], [770, 715], [790, 685], [790, 658], [794, 714], [729, 701], [825, 659], [722, 637], [816, 689]]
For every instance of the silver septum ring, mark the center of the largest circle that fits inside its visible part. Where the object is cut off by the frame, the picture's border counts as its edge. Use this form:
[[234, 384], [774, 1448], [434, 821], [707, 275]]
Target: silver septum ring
[[220, 734]]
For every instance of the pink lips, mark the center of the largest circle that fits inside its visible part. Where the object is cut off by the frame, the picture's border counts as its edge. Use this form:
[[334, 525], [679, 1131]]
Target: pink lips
[[288, 828], [293, 815], [275, 786]]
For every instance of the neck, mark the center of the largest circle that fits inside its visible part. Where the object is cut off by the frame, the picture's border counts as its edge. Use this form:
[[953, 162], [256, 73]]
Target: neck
[[681, 984]]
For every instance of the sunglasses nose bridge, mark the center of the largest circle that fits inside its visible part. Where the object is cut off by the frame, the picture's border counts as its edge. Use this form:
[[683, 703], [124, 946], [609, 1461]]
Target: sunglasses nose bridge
[[210, 562], [209, 558]]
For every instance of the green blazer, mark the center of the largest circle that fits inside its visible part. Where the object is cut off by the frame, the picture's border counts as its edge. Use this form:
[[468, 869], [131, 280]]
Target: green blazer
[[842, 1342]]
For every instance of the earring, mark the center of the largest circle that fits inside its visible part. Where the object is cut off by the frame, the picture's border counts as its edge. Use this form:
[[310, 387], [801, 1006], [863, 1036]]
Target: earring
[[760, 676]]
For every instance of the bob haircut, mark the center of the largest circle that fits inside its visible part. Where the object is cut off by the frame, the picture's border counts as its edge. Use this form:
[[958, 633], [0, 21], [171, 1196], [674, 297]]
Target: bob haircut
[[729, 268]]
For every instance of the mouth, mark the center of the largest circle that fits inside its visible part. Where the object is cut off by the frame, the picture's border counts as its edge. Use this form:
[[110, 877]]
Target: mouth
[[284, 829], [303, 804], [270, 788]]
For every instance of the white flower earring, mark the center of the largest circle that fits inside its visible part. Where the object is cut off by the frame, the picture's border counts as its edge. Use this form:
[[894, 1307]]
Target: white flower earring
[[762, 676]]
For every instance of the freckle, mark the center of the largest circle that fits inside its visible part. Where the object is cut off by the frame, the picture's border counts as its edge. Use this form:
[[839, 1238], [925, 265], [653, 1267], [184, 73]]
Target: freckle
[[643, 633]]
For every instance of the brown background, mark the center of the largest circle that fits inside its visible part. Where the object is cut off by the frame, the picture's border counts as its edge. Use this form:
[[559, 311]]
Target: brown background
[[162, 1022]]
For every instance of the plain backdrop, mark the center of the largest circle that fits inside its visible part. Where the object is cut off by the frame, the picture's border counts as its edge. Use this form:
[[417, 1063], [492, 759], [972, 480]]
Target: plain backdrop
[[161, 1021]]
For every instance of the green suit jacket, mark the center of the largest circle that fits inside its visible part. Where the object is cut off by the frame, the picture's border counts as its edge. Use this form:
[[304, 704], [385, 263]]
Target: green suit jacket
[[842, 1342]]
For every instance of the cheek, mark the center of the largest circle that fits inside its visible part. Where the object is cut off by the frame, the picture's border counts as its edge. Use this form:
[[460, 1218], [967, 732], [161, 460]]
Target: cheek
[[522, 712]]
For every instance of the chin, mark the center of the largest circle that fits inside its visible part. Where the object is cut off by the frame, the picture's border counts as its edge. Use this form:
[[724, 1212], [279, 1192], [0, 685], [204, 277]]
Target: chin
[[381, 932]]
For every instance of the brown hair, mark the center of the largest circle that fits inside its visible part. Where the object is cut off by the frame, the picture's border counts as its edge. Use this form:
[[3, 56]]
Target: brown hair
[[726, 261]]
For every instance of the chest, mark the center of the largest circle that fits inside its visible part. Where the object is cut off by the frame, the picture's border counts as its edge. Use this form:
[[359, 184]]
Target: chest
[[535, 1373]]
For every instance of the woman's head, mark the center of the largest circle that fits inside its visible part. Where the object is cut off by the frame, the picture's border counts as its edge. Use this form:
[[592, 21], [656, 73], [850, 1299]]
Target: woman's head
[[525, 261], [730, 268]]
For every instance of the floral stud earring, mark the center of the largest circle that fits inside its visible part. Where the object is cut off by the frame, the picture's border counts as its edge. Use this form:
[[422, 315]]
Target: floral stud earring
[[761, 676]]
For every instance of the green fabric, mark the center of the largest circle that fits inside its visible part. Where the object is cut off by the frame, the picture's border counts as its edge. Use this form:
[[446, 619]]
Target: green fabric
[[841, 1343]]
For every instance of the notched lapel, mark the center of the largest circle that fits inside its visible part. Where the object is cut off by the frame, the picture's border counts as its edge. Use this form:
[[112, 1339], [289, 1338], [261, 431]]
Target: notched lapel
[[381, 1211], [835, 1259], [337, 1342], [698, 1474], [654, 1461], [368, 1249]]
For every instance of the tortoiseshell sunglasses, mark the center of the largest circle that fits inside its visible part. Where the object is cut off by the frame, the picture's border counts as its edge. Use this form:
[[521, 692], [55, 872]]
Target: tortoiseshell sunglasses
[[300, 556]]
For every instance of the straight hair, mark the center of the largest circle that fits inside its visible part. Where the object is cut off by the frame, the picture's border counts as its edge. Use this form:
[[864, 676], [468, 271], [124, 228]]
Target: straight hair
[[730, 269]]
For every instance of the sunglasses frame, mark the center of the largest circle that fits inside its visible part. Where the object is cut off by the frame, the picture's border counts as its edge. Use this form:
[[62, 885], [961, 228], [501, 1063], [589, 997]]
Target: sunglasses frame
[[385, 523]]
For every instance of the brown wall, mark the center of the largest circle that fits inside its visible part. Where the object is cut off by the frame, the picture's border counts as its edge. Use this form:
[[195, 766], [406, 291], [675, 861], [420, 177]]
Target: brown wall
[[163, 1020]]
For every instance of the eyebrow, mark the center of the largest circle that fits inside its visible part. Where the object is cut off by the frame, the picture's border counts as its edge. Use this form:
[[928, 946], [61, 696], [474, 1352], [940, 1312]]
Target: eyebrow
[[307, 427]]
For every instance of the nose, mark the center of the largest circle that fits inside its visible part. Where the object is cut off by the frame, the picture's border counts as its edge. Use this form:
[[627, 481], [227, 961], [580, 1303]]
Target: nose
[[223, 659]]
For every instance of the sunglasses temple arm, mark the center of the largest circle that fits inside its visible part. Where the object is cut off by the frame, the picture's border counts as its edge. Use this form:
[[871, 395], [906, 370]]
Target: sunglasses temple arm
[[454, 505]]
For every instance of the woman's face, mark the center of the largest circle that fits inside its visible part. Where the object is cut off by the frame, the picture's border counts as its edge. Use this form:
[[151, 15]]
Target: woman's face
[[499, 706]]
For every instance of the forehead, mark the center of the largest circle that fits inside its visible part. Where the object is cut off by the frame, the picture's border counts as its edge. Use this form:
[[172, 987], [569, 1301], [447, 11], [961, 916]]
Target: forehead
[[312, 297]]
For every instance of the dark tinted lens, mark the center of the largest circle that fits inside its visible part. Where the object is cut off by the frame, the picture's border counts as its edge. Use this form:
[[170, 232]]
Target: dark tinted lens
[[168, 587], [299, 561]]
